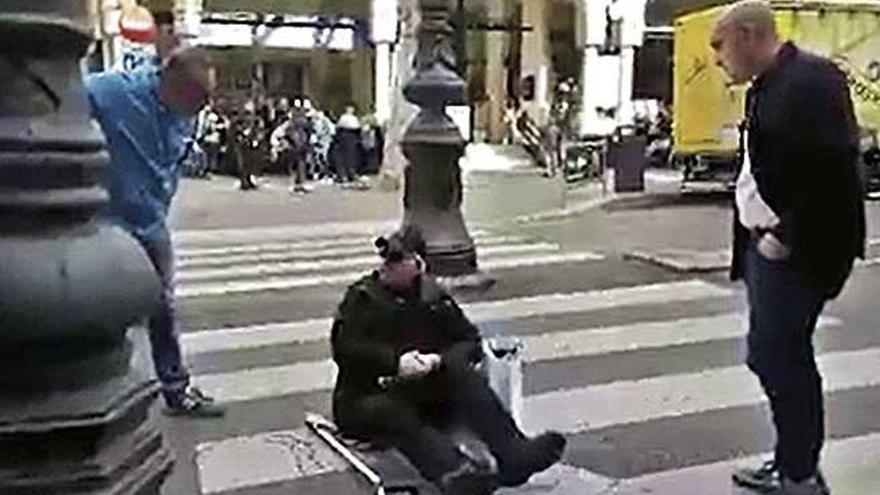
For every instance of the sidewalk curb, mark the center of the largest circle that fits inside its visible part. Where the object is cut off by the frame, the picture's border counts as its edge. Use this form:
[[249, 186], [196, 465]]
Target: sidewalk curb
[[684, 261]]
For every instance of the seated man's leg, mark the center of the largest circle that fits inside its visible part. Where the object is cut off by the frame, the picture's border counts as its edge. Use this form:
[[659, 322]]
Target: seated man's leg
[[477, 406], [387, 418]]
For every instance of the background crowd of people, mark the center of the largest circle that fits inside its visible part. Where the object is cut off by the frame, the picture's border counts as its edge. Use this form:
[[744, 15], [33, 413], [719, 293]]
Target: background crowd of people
[[274, 135]]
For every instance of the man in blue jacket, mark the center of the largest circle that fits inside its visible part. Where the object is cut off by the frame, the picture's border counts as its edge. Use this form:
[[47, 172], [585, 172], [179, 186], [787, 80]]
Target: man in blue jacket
[[147, 116], [799, 224]]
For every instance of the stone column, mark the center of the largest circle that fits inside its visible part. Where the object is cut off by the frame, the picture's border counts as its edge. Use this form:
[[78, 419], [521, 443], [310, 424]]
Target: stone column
[[595, 78], [433, 145], [536, 58], [607, 81], [632, 13], [384, 34], [75, 384], [496, 73], [188, 17], [391, 175]]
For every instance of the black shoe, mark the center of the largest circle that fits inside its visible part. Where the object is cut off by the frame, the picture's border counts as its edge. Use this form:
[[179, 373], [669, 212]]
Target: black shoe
[[468, 479], [766, 479], [193, 403], [811, 486], [534, 456]]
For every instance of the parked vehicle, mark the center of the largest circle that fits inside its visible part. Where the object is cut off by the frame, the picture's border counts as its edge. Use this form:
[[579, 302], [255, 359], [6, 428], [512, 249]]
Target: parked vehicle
[[707, 111]]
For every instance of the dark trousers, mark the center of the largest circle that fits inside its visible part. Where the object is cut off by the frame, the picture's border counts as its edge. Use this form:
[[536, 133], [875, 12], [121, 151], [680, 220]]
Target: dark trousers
[[164, 335], [782, 318], [296, 163], [415, 417], [244, 158], [212, 157]]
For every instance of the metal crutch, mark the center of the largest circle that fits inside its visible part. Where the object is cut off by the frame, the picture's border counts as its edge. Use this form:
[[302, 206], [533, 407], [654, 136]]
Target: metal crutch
[[324, 429]]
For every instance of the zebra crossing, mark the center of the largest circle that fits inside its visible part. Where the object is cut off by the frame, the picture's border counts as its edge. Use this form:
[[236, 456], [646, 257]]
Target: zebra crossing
[[632, 361]]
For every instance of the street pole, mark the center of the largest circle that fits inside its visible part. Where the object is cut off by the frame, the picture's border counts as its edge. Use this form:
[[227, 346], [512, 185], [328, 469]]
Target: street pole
[[75, 385], [433, 145]]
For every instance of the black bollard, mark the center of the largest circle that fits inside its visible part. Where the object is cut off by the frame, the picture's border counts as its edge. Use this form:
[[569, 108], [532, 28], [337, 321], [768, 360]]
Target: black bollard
[[75, 384]]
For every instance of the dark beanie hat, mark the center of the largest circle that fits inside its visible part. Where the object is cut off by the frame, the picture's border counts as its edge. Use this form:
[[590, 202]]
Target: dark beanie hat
[[407, 240]]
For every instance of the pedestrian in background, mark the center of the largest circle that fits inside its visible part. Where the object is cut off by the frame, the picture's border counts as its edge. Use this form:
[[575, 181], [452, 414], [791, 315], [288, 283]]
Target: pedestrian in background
[[298, 135], [799, 225], [147, 117], [322, 133], [209, 130], [372, 144], [348, 147], [246, 131]]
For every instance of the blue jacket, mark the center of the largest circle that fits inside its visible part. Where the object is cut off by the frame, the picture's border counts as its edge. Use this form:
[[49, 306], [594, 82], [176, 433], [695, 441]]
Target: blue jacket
[[147, 144]]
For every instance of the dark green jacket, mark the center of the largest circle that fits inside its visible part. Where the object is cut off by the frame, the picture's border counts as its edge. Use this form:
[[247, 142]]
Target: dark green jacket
[[374, 327]]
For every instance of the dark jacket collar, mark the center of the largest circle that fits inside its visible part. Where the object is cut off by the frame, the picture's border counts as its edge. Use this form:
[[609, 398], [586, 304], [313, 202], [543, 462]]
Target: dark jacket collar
[[787, 52]]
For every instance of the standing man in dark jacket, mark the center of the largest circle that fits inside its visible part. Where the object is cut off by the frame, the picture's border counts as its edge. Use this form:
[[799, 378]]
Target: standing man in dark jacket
[[406, 353], [799, 226]]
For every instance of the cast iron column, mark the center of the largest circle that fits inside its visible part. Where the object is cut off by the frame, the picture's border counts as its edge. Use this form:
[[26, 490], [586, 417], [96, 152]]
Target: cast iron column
[[75, 385], [433, 145]]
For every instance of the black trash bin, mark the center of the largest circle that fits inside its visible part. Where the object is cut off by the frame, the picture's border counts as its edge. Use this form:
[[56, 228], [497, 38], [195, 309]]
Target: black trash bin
[[626, 156]]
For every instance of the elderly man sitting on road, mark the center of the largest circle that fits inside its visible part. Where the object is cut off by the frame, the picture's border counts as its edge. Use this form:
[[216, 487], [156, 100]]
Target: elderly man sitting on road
[[406, 356]]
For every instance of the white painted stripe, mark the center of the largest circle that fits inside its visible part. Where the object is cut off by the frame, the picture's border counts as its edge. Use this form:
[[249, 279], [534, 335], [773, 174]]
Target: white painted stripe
[[849, 465], [548, 304], [307, 246], [636, 401], [339, 264], [272, 247], [251, 337], [229, 339], [262, 459], [641, 336], [286, 283], [221, 237], [263, 383], [288, 252], [208, 237], [314, 376]]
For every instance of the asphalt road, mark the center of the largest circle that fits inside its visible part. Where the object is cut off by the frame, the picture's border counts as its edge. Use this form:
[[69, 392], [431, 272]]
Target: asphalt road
[[640, 366]]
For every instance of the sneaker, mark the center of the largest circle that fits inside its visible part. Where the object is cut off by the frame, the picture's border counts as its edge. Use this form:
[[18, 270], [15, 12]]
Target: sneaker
[[534, 456], [766, 479], [193, 403]]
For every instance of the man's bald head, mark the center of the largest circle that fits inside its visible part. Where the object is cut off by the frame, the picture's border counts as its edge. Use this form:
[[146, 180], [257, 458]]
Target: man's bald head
[[188, 80], [745, 39], [754, 16]]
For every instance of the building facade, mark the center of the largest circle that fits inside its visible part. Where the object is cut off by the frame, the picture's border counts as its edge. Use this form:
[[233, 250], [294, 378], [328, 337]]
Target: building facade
[[516, 52]]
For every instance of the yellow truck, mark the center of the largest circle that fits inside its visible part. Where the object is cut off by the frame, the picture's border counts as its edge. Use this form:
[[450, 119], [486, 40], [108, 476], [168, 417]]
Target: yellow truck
[[707, 111]]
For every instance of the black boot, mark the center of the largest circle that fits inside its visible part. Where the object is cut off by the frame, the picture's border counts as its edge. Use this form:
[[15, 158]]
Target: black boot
[[530, 457], [468, 479]]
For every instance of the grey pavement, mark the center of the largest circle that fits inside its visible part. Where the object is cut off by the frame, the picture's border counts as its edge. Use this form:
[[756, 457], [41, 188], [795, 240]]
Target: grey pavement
[[500, 184], [639, 363]]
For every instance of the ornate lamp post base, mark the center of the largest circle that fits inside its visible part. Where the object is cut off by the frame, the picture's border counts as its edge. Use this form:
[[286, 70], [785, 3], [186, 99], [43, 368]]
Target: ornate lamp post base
[[433, 145], [75, 388]]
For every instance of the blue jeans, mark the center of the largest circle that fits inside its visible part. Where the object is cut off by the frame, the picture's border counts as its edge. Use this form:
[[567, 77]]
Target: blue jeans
[[164, 336], [782, 319]]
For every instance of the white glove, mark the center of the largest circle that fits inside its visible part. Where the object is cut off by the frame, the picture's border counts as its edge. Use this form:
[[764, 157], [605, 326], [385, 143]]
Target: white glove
[[413, 364]]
